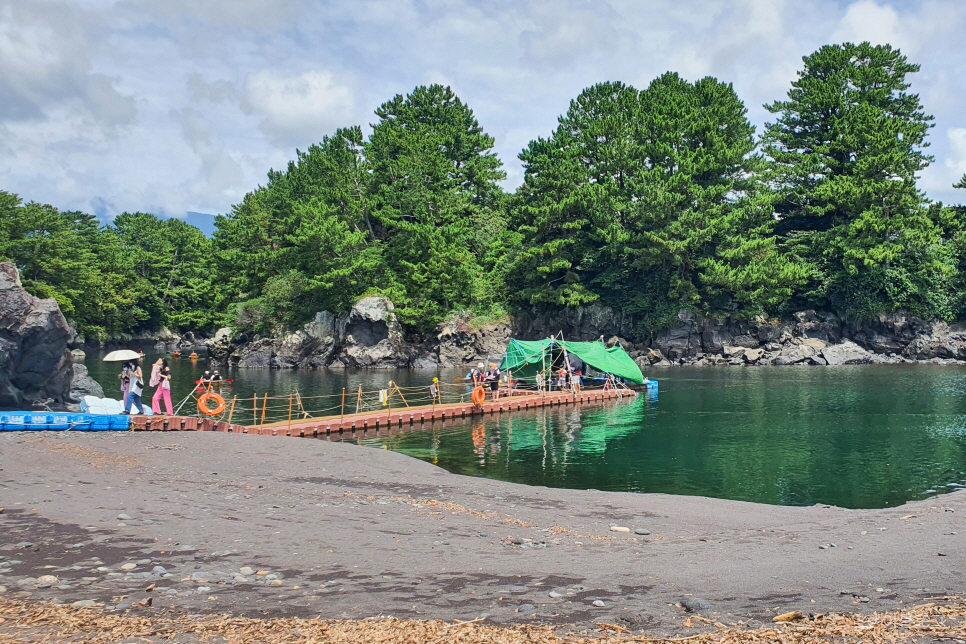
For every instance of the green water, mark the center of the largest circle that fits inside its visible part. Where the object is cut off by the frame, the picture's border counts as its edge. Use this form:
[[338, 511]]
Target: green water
[[857, 437]]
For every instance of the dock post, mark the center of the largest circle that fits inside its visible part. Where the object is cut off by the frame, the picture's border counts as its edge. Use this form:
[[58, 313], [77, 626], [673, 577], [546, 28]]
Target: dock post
[[264, 407], [232, 410], [290, 411], [254, 409], [342, 413]]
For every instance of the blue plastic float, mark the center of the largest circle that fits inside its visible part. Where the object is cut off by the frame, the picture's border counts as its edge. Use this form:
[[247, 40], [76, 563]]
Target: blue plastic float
[[19, 421]]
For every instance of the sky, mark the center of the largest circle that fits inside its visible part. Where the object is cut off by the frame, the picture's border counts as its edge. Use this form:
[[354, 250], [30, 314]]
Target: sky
[[178, 106]]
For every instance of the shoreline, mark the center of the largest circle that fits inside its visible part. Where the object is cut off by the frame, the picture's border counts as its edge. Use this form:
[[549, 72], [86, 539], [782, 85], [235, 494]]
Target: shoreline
[[355, 532]]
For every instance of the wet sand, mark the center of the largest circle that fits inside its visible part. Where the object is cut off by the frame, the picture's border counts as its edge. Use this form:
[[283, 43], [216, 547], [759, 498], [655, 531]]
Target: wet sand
[[343, 531]]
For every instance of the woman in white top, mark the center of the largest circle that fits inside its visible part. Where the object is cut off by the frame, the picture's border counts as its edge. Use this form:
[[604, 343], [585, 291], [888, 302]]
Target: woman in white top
[[137, 386]]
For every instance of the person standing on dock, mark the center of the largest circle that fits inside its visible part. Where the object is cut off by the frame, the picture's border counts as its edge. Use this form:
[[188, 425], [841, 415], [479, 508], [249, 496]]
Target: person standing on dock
[[163, 384], [136, 387], [493, 377], [125, 379], [477, 375], [562, 379]]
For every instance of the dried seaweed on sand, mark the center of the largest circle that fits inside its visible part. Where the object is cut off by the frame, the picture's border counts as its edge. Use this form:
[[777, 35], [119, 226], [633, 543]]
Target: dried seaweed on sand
[[944, 619]]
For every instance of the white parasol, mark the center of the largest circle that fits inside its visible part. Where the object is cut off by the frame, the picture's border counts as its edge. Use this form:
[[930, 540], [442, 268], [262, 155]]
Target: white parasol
[[121, 354]]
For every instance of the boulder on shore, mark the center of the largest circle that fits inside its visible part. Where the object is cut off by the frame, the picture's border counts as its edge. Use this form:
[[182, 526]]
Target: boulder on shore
[[34, 361], [847, 352], [81, 384]]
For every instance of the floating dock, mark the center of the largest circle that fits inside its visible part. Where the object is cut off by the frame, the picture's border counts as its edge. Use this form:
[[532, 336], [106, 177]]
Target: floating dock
[[386, 420]]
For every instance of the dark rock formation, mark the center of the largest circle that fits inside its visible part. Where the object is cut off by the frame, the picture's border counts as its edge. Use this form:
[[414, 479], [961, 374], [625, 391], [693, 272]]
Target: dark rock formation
[[458, 344], [81, 384], [34, 361], [370, 336]]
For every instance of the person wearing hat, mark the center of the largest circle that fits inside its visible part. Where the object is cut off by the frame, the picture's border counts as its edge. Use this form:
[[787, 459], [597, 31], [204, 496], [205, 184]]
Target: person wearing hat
[[477, 374], [215, 380]]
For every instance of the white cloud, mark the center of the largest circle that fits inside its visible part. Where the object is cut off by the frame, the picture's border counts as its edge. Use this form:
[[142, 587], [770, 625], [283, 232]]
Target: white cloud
[[868, 20], [299, 109], [956, 160], [111, 105], [45, 63]]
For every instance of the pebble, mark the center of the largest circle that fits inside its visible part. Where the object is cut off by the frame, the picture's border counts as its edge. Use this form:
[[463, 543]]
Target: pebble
[[240, 579], [50, 580], [84, 603], [102, 569], [619, 528], [171, 591], [277, 582], [203, 589], [518, 589], [642, 531], [122, 606], [124, 517], [598, 603], [159, 570], [695, 604], [3, 589], [262, 573], [554, 595], [526, 608], [248, 572], [144, 562], [864, 600], [199, 576], [129, 566]]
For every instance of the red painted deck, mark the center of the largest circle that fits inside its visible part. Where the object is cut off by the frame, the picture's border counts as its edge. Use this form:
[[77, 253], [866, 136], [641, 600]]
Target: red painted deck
[[347, 426]]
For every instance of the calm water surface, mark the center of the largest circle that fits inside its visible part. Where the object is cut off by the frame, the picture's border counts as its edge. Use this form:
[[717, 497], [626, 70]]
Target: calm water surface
[[857, 437]]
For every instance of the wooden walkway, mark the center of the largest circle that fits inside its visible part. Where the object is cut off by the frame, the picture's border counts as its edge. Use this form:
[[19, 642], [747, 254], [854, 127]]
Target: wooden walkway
[[350, 425]]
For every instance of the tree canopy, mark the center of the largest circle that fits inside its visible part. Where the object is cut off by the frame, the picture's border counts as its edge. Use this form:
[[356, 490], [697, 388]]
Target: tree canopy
[[647, 201]]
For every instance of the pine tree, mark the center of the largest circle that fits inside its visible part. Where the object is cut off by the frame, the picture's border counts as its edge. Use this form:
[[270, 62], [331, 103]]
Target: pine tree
[[433, 179], [845, 151]]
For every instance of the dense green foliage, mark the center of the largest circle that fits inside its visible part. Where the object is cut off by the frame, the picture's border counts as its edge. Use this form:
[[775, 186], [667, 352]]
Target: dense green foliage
[[648, 201], [139, 274], [645, 200]]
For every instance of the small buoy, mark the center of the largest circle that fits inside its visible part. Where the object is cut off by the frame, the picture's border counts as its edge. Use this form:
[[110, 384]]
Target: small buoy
[[175, 354], [193, 355]]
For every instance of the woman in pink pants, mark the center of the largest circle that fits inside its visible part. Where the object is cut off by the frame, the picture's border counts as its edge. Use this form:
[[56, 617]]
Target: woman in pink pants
[[163, 388]]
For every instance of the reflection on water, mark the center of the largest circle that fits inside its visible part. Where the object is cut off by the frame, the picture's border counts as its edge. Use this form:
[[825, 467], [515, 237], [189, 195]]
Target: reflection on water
[[858, 437]]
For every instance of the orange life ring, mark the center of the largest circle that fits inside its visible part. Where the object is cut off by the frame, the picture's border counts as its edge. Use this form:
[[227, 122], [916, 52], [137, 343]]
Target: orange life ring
[[203, 404], [479, 396]]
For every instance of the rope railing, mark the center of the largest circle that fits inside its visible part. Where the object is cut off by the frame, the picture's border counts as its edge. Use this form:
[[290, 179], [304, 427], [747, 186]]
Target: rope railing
[[265, 409]]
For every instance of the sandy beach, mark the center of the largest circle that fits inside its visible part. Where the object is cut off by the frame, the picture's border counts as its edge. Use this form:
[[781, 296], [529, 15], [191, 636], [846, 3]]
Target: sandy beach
[[262, 527]]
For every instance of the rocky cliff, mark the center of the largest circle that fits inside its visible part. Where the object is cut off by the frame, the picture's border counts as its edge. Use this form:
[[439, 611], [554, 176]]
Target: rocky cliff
[[370, 336], [35, 364]]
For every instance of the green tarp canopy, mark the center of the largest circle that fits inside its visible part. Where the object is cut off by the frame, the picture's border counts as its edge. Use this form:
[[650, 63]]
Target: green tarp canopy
[[525, 358]]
